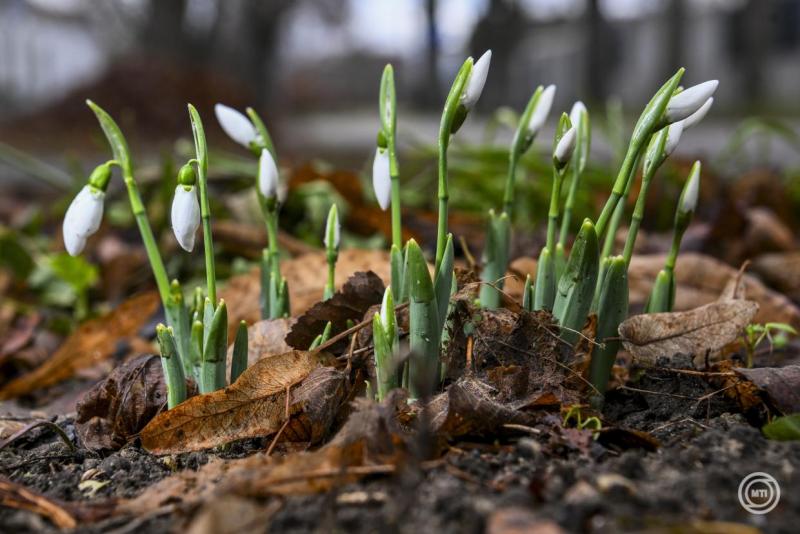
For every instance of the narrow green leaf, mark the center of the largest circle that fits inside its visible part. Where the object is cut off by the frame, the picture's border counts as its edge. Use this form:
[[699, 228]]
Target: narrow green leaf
[[119, 146], [240, 350], [576, 287], [612, 310]]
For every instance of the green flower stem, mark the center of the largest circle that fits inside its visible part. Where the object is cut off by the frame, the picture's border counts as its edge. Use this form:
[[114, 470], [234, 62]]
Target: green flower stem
[[397, 228], [330, 288], [569, 205], [201, 150], [552, 215], [619, 212], [638, 213], [171, 362], [508, 194], [387, 104]]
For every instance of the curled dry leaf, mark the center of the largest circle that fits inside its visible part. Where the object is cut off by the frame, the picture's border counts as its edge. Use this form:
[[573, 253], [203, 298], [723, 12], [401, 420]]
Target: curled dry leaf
[[116, 409], [780, 384], [362, 290], [695, 333], [93, 342], [253, 406]]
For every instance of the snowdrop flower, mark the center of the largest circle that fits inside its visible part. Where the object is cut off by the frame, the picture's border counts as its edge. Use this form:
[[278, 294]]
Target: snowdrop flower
[[477, 79], [83, 218], [674, 132], [268, 175], [542, 110], [332, 229], [575, 114], [698, 115], [236, 125], [185, 216], [689, 101], [381, 177], [690, 193], [565, 146]]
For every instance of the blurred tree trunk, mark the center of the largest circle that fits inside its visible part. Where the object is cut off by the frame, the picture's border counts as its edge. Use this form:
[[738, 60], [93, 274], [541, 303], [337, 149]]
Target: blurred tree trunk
[[595, 53], [430, 89]]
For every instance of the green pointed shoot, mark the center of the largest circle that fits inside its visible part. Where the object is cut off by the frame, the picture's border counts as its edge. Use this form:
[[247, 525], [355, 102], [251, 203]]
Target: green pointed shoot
[[561, 157], [177, 315], [196, 349], [576, 287], [387, 105], [452, 117], [201, 150], [240, 349], [323, 337], [443, 281], [612, 310], [544, 290], [648, 122], [495, 259], [662, 296], [580, 157], [332, 233], [283, 304], [265, 274], [397, 264], [171, 363], [212, 371], [424, 328], [386, 345], [527, 294]]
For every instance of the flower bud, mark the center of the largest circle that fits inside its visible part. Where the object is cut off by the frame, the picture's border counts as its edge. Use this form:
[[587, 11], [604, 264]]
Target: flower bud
[[381, 178], [689, 101], [688, 201], [674, 132], [477, 79], [698, 115], [332, 229], [565, 147], [83, 218], [185, 216], [387, 317], [267, 175], [542, 110], [236, 125], [577, 111]]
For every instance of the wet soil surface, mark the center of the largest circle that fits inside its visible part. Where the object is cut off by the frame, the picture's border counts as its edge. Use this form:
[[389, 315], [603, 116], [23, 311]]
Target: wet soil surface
[[689, 483]]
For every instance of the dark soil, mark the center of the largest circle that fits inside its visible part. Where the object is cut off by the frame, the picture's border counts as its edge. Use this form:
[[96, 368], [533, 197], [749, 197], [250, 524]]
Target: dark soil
[[532, 480]]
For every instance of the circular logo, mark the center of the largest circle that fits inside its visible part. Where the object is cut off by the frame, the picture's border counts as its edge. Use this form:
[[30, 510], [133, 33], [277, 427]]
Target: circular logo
[[759, 493]]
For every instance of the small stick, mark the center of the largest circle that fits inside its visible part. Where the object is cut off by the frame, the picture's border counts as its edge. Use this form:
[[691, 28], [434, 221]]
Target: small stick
[[341, 335], [52, 426]]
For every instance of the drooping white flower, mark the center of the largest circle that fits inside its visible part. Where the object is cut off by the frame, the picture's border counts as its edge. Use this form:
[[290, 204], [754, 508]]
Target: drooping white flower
[[477, 79], [542, 110], [578, 108], [83, 218], [185, 216], [236, 125], [333, 229], [565, 146], [698, 115], [267, 175], [381, 178], [691, 190], [674, 132], [689, 100]]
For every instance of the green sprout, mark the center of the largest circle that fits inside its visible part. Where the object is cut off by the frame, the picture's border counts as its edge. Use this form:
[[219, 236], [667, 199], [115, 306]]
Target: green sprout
[[332, 234], [776, 334], [386, 343]]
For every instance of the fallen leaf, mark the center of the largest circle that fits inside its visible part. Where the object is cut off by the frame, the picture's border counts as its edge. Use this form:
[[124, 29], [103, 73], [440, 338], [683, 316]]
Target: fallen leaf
[[265, 338], [694, 333], [116, 409], [93, 342], [350, 303], [233, 515], [19, 497], [252, 406], [781, 385], [781, 270], [9, 427]]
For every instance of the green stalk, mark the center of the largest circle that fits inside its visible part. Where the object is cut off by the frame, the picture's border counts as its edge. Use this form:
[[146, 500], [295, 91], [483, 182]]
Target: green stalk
[[453, 116], [619, 212], [648, 122], [388, 112], [579, 160], [201, 149], [240, 349], [212, 370], [424, 329], [495, 261], [613, 309], [171, 362]]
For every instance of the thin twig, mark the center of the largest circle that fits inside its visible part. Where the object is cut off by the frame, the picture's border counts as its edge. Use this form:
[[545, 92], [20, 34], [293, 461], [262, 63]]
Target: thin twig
[[284, 425], [52, 426], [662, 393], [341, 335]]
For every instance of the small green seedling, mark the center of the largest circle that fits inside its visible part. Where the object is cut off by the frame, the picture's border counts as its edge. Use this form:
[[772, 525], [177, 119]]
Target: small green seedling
[[775, 334]]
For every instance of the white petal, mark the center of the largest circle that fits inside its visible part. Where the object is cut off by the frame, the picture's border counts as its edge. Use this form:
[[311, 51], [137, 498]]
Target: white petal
[[691, 191], [673, 137], [542, 110], [83, 218], [477, 79], [236, 125], [267, 174], [690, 100], [381, 178], [575, 114], [698, 115], [185, 216], [565, 146]]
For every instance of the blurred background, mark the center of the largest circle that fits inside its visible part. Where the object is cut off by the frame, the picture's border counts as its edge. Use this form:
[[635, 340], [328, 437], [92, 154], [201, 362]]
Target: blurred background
[[312, 69]]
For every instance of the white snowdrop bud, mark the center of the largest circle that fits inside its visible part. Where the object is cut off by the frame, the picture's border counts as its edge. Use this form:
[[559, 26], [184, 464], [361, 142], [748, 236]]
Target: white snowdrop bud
[[332, 229], [83, 218], [542, 110], [236, 125], [690, 191], [565, 146], [381, 178], [689, 100], [477, 79], [185, 216], [674, 132], [575, 114], [267, 175], [698, 115]]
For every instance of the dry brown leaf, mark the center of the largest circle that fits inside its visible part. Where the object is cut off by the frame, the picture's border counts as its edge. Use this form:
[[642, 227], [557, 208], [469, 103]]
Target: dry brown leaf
[[781, 385], [252, 406], [16, 496], [8, 427], [694, 333], [233, 515], [781, 270], [701, 279], [265, 338], [93, 342]]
